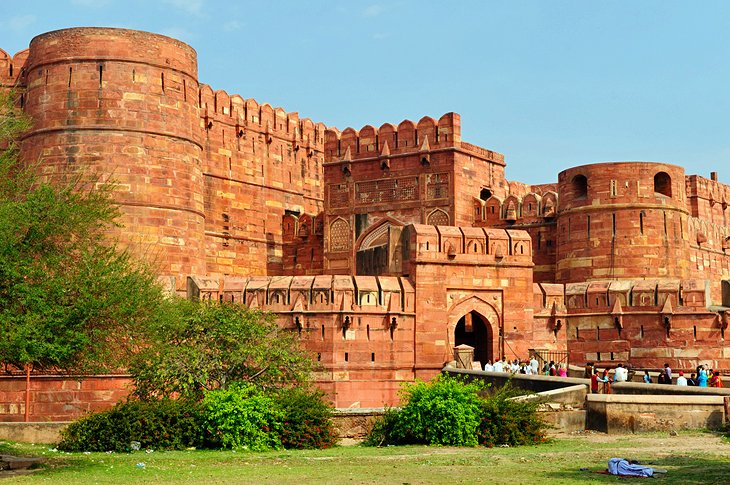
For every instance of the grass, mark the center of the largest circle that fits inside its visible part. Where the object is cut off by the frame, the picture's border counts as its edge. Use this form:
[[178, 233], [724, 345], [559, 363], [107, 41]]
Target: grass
[[691, 457]]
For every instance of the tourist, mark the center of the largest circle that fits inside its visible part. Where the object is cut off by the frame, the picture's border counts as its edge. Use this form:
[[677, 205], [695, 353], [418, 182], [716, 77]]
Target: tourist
[[692, 381], [647, 377], [528, 369], [552, 370], [681, 380], [488, 366], [497, 367], [606, 382], [702, 379], [535, 365], [515, 366], [716, 380], [595, 379], [562, 370], [667, 374], [620, 374]]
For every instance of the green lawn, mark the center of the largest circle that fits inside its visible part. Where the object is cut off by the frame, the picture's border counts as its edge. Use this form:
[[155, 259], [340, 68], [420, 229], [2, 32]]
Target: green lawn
[[690, 457]]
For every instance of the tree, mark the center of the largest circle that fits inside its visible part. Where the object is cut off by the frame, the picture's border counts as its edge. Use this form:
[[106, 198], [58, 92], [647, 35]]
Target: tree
[[70, 298], [202, 346]]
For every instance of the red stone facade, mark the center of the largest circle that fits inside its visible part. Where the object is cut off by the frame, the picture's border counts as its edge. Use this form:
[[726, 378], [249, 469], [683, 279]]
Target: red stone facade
[[384, 248]]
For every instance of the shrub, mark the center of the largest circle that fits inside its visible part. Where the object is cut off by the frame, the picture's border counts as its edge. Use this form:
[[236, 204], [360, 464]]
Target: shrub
[[444, 411], [508, 421], [242, 417], [160, 425], [381, 432], [307, 421]]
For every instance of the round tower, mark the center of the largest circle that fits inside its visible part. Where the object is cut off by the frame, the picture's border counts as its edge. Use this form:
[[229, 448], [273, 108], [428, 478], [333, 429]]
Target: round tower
[[622, 220], [122, 105]]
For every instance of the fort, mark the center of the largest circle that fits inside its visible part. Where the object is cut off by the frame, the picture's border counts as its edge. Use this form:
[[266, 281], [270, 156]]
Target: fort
[[383, 248]]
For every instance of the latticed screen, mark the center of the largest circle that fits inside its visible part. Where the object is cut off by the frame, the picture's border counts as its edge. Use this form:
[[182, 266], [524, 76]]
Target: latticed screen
[[340, 236], [338, 195], [437, 186], [386, 190]]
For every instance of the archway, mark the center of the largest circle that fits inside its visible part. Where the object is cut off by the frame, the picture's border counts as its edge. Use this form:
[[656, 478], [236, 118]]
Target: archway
[[472, 330]]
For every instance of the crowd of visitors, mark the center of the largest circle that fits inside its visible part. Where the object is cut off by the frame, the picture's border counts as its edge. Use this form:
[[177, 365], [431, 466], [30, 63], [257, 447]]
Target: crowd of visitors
[[601, 380], [528, 367]]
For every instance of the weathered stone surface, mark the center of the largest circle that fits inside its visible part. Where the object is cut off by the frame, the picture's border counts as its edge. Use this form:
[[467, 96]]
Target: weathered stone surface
[[429, 244]]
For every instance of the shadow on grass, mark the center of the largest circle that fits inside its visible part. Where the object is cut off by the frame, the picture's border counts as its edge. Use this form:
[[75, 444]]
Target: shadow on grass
[[680, 469]]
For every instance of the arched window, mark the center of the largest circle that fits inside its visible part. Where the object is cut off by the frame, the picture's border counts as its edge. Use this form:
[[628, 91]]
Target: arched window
[[663, 184], [580, 187]]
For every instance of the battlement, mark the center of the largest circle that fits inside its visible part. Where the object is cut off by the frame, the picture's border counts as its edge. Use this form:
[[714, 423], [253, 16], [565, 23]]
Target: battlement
[[407, 137], [473, 245], [662, 296], [514, 208], [711, 189], [247, 114], [12, 68], [301, 294]]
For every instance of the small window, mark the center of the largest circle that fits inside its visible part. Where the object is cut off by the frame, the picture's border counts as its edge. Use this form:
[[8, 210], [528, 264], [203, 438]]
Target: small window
[[663, 184], [347, 357], [580, 187], [485, 194]]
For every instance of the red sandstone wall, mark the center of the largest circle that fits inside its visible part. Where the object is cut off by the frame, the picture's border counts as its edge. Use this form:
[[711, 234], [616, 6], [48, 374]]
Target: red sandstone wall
[[621, 227], [259, 163], [123, 104], [359, 329], [637, 333], [59, 398]]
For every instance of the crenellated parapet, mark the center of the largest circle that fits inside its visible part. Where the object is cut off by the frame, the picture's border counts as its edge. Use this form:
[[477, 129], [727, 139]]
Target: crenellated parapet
[[408, 137], [242, 117], [12, 69], [309, 294], [649, 295], [528, 208], [467, 245]]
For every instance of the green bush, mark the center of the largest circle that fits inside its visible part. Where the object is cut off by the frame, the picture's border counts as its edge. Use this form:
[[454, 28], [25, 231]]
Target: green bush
[[307, 421], [444, 411], [508, 421], [448, 411], [242, 417], [160, 425], [381, 432]]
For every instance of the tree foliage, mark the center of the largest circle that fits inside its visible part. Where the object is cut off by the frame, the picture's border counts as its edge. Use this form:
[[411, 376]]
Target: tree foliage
[[70, 299], [203, 346]]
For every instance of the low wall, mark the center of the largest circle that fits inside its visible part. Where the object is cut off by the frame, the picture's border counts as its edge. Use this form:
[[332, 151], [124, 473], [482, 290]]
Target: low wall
[[355, 423], [624, 413], [32, 432], [565, 390], [60, 398], [666, 389]]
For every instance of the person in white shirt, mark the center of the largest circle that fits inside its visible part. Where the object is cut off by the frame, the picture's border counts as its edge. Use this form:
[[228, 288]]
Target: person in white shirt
[[497, 367], [621, 374], [488, 366], [535, 365], [681, 380], [528, 370]]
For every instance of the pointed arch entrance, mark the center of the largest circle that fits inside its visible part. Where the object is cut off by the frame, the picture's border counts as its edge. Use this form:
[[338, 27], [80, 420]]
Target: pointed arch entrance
[[475, 322], [472, 330]]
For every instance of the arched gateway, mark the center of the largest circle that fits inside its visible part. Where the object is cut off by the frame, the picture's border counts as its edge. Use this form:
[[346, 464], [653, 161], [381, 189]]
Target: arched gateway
[[474, 322], [473, 331]]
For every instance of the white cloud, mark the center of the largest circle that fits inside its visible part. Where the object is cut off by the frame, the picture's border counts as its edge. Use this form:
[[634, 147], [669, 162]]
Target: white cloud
[[194, 7], [373, 10], [18, 23], [380, 36], [232, 25]]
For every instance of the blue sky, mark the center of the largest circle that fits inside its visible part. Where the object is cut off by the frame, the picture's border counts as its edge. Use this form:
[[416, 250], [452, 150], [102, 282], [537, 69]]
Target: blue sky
[[551, 84]]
